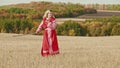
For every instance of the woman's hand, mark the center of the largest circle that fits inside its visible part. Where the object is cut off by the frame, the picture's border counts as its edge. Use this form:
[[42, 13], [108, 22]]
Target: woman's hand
[[38, 30]]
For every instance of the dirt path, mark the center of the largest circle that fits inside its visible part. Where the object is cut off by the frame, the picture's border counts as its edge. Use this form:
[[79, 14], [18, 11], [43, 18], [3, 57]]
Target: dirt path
[[82, 18]]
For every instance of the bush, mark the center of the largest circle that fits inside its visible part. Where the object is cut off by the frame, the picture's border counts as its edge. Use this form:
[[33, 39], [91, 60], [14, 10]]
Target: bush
[[15, 25], [106, 29], [69, 28], [113, 19], [116, 30], [71, 32], [94, 29]]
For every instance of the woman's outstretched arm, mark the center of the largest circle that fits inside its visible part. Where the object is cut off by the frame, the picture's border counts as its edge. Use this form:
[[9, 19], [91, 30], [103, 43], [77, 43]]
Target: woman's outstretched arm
[[39, 27]]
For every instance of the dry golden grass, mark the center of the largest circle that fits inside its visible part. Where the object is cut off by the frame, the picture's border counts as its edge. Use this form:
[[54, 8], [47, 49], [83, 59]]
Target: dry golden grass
[[76, 52]]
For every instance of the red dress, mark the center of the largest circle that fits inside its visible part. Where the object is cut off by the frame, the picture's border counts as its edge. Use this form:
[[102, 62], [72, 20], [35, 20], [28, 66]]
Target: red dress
[[50, 43]]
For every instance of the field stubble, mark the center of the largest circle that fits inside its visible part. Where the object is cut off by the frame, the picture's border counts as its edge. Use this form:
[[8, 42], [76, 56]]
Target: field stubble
[[75, 52]]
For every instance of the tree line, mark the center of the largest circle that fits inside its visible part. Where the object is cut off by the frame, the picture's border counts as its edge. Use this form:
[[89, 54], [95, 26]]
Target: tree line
[[113, 7], [97, 27]]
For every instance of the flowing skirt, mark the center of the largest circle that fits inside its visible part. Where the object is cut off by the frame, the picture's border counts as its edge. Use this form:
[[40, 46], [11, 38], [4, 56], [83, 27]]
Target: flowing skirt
[[50, 43]]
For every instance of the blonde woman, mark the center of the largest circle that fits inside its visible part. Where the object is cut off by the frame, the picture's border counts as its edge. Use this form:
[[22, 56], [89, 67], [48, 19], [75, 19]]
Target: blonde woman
[[50, 43]]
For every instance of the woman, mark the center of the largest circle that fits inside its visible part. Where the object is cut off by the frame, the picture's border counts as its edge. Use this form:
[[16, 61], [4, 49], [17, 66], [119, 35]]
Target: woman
[[50, 43]]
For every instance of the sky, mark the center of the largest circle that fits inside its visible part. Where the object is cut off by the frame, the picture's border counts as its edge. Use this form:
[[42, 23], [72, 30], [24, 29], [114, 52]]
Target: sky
[[7, 2]]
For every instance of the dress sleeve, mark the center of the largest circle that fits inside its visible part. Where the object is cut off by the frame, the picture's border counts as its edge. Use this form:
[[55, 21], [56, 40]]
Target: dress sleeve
[[39, 27], [54, 24]]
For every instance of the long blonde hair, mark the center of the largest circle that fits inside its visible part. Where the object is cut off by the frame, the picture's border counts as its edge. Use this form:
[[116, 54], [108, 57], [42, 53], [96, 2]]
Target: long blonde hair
[[46, 14]]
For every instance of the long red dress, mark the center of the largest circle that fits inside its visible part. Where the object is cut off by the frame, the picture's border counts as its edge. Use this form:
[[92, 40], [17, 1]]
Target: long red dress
[[50, 43]]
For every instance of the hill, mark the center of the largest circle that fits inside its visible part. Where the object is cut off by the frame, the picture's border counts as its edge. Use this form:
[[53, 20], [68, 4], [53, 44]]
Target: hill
[[35, 10]]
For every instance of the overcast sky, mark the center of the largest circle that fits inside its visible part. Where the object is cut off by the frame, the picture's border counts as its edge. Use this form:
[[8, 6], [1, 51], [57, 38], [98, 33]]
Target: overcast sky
[[7, 2]]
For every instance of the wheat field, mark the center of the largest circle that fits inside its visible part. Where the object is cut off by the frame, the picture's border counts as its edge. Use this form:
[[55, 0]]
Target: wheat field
[[75, 52]]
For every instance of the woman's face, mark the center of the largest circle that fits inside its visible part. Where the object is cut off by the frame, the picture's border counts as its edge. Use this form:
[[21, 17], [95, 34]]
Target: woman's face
[[50, 14]]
